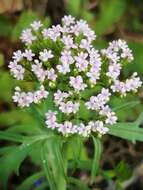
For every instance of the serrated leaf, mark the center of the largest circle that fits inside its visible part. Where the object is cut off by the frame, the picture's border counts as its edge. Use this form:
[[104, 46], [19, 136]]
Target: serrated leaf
[[97, 156]]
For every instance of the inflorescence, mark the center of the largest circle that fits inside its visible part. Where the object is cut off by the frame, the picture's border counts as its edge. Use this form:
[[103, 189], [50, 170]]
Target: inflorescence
[[63, 62]]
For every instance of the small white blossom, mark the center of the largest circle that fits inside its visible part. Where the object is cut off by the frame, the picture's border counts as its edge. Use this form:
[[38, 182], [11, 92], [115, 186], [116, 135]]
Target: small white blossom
[[45, 55], [51, 74], [36, 25], [81, 62], [64, 68], [27, 37], [28, 54], [77, 83], [17, 56], [68, 20]]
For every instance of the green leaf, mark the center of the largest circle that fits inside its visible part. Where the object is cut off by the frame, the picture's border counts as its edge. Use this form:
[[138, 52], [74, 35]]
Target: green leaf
[[129, 131], [5, 150], [26, 18], [110, 12], [33, 109], [47, 169], [54, 165], [97, 156], [11, 162], [24, 128], [136, 65], [122, 171], [127, 105], [81, 164], [139, 120], [28, 182], [11, 136], [6, 84], [83, 113], [16, 116]]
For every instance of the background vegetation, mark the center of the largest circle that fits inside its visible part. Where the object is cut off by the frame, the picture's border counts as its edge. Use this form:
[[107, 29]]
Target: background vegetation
[[111, 20]]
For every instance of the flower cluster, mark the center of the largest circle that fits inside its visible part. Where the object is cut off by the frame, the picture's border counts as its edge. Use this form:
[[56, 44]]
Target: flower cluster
[[68, 128], [24, 99], [64, 63]]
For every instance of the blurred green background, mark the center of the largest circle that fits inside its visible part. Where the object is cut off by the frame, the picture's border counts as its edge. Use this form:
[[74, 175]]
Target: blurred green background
[[111, 19]]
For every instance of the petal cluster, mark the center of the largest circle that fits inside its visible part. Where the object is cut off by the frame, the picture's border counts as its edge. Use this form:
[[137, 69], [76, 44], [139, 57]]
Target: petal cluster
[[62, 61]]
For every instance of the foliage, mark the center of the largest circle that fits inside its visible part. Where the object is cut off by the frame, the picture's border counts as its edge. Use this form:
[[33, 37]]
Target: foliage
[[24, 133]]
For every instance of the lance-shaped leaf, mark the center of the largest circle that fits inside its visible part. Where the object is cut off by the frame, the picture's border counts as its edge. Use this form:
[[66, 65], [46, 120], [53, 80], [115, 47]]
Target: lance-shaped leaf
[[129, 131], [11, 136], [97, 156], [53, 164]]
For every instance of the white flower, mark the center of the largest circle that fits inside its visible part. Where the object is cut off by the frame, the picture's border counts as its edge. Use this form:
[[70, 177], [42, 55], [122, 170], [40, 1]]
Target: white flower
[[51, 120], [114, 71], [81, 62], [59, 97], [68, 42], [111, 118], [69, 107], [93, 76], [42, 92], [100, 127], [97, 102], [85, 44], [68, 20], [77, 83], [16, 70], [36, 25], [12, 65], [52, 33], [17, 56], [39, 71], [65, 128], [45, 55], [24, 99], [63, 59], [51, 74], [84, 130], [64, 68], [28, 54], [27, 36], [66, 57]]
